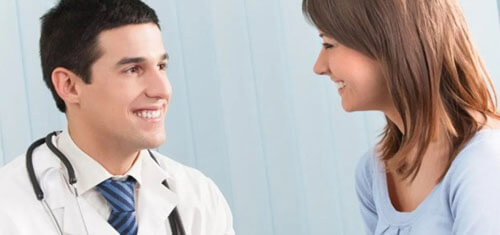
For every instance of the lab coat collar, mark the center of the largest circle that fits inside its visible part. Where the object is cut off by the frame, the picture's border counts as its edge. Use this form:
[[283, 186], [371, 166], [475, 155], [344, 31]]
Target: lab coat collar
[[155, 203], [60, 197]]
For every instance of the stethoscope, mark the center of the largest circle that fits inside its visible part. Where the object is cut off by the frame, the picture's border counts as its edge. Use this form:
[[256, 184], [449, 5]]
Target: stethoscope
[[174, 218]]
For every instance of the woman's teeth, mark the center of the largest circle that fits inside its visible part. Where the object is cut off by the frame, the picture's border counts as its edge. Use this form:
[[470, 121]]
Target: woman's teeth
[[340, 85], [149, 114]]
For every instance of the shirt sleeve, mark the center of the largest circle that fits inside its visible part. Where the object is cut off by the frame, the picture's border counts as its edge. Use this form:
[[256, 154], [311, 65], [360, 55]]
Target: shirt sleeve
[[364, 191], [475, 192]]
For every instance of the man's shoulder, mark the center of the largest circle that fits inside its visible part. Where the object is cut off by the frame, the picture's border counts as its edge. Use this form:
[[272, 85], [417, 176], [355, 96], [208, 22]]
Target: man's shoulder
[[174, 167], [14, 178], [197, 192], [14, 169], [189, 177], [180, 171], [15, 185]]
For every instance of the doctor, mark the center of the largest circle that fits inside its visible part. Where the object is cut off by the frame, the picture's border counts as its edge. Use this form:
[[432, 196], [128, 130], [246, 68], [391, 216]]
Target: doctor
[[104, 62]]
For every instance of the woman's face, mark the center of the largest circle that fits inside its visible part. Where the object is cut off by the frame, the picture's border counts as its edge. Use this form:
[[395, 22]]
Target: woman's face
[[358, 77]]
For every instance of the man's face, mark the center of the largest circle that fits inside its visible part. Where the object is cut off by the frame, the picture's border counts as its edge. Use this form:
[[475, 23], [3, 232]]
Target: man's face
[[127, 99]]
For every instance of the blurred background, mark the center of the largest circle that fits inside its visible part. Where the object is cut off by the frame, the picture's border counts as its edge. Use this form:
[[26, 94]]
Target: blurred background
[[247, 109]]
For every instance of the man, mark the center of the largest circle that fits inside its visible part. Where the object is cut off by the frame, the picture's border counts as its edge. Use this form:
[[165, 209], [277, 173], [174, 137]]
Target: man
[[104, 62]]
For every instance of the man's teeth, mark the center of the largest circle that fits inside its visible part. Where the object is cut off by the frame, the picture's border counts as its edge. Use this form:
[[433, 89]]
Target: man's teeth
[[149, 114], [340, 85]]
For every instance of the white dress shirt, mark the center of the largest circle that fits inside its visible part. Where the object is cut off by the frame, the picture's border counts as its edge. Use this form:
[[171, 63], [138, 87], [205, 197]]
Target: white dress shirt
[[90, 173]]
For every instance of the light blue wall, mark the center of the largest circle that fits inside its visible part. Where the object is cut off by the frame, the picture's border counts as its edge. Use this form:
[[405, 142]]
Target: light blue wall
[[246, 109]]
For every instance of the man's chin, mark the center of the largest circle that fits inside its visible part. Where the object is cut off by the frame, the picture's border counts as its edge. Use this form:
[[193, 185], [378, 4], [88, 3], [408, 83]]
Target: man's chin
[[153, 141]]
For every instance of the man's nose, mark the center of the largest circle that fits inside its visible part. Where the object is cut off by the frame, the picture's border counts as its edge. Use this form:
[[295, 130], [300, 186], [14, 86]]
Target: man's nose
[[159, 86]]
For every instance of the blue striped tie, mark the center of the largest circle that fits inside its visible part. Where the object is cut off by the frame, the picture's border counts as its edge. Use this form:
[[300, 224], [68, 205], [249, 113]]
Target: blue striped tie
[[120, 196]]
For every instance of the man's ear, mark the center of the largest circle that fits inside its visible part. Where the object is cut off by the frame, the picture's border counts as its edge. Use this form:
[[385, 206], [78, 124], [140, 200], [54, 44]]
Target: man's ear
[[67, 85]]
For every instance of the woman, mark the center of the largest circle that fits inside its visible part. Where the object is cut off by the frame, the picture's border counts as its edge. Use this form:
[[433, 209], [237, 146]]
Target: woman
[[436, 169]]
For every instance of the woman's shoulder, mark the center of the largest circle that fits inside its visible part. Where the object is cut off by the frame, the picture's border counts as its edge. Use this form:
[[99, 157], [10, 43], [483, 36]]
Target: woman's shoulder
[[485, 145], [471, 182], [366, 166], [479, 157], [483, 148]]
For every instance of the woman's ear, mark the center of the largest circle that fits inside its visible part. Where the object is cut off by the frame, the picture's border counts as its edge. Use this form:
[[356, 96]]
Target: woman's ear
[[67, 85]]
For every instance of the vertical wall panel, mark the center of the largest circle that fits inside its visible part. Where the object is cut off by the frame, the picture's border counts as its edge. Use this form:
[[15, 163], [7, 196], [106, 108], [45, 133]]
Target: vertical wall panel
[[485, 28], [15, 117], [311, 121], [1, 144], [242, 121], [203, 87], [286, 187], [498, 12], [44, 115]]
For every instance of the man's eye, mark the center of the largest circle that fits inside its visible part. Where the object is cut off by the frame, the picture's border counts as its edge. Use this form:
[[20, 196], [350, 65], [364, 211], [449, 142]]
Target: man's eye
[[328, 45], [163, 66], [134, 69]]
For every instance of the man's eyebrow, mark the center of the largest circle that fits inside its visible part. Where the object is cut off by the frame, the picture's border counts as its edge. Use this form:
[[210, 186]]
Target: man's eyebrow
[[130, 60], [137, 60], [164, 57]]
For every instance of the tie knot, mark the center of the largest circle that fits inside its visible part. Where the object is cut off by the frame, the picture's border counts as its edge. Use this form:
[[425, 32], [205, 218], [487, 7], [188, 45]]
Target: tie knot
[[119, 194]]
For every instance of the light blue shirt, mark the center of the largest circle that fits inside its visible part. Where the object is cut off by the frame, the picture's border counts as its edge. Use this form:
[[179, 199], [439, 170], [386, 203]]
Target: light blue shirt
[[466, 201]]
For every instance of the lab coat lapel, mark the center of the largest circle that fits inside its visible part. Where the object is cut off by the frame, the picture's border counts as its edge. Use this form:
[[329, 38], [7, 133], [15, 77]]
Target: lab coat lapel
[[155, 201], [67, 211], [59, 196], [74, 223]]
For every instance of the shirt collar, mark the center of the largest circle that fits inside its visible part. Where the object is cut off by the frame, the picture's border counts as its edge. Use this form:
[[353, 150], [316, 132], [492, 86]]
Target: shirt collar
[[89, 173]]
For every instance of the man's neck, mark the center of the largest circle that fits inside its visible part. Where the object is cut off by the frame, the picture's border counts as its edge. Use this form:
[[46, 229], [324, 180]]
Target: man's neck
[[110, 153]]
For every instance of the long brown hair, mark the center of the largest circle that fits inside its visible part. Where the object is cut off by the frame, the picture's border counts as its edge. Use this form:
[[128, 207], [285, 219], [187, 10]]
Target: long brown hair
[[433, 72]]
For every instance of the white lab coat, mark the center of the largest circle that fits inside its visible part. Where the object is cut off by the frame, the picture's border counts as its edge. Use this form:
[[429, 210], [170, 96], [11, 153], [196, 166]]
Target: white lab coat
[[202, 207]]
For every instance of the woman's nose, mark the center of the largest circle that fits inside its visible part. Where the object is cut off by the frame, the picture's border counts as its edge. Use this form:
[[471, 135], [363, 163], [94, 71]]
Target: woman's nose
[[320, 67]]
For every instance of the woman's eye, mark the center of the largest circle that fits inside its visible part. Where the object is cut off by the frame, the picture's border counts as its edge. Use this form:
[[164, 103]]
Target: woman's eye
[[328, 45]]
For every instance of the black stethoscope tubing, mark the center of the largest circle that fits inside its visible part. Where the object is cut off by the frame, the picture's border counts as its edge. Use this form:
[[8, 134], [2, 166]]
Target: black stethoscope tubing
[[174, 217]]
